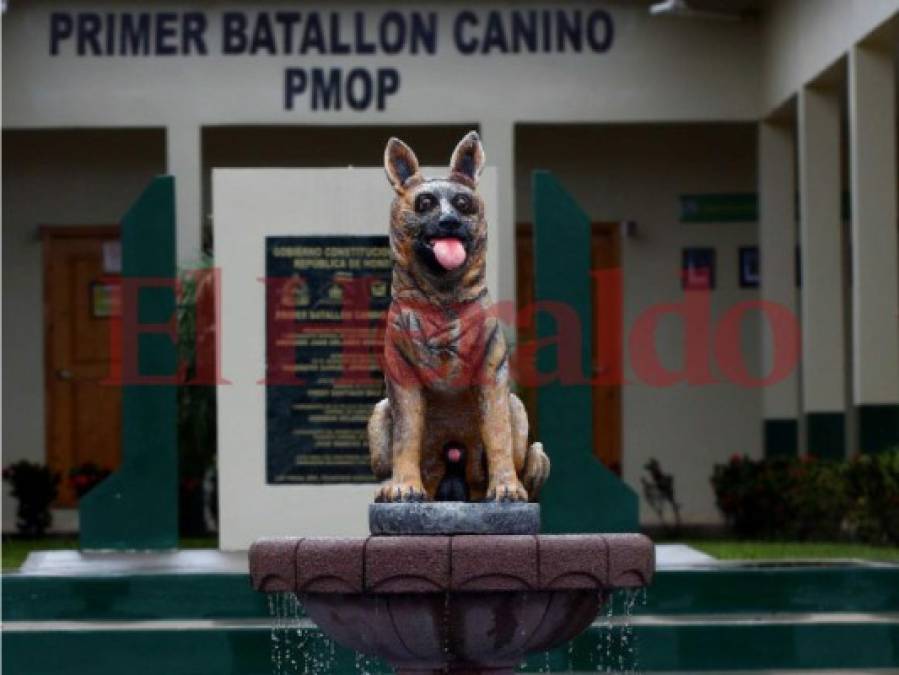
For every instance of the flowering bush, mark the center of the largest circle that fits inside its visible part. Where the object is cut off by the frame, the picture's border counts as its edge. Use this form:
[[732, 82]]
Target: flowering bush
[[873, 485], [811, 499], [752, 495], [36, 487], [84, 477]]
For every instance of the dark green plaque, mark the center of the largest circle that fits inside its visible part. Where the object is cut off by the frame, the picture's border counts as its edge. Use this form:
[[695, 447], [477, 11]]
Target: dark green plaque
[[326, 302]]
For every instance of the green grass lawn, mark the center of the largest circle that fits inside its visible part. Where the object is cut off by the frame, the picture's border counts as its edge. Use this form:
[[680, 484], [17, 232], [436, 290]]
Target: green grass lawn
[[785, 550], [15, 550]]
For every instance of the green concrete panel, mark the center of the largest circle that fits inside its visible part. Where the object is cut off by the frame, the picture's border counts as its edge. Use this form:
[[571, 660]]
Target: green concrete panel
[[137, 506], [781, 437], [581, 495], [826, 434], [878, 428]]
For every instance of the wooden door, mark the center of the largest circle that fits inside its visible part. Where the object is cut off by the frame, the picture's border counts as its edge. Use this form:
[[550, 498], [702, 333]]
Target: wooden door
[[605, 256], [83, 415]]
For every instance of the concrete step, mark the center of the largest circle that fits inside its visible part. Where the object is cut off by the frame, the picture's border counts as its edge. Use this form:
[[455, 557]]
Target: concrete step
[[648, 644], [148, 615]]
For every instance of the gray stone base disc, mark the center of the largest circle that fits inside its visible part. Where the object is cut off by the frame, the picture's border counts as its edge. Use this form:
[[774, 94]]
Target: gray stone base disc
[[454, 518]]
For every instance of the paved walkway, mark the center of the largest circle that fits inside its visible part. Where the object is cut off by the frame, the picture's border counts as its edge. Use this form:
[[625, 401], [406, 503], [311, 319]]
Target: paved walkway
[[211, 561]]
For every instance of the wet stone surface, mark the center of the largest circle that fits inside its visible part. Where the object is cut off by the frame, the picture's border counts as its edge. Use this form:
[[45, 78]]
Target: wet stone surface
[[430, 518]]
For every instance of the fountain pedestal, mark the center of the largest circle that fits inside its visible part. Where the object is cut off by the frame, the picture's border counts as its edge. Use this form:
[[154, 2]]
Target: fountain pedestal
[[461, 604]]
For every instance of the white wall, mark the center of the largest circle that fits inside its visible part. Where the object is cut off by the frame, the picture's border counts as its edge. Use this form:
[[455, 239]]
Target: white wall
[[53, 178], [637, 172], [714, 75], [802, 38]]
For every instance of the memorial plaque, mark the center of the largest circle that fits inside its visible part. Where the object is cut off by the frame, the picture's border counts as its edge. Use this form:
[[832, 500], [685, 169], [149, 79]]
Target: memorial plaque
[[326, 302]]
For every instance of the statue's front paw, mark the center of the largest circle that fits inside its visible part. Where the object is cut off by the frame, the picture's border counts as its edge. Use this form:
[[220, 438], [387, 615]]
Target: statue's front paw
[[401, 491], [509, 491]]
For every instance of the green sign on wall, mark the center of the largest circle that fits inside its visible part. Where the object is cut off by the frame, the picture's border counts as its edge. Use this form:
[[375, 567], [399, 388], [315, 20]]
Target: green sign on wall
[[719, 208], [736, 207]]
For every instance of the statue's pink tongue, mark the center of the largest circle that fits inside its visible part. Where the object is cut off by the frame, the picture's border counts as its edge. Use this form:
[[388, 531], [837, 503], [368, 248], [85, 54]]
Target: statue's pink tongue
[[450, 253]]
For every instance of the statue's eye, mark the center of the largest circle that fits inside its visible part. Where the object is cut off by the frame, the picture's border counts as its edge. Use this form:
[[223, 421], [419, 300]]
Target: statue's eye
[[463, 204], [425, 202]]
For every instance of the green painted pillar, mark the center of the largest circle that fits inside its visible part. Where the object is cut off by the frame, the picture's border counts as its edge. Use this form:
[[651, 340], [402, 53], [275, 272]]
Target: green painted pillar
[[137, 506], [781, 437], [581, 494], [878, 428]]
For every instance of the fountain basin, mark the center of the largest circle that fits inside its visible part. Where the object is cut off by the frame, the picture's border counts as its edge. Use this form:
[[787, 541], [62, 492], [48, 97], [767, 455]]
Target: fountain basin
[[468, 603]]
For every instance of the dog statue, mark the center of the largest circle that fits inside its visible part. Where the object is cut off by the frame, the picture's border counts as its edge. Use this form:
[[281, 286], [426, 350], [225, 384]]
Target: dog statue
[[446, 359]]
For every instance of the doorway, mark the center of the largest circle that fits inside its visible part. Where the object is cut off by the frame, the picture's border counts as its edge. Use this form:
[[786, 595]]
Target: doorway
[[83, 415], [606, 349]]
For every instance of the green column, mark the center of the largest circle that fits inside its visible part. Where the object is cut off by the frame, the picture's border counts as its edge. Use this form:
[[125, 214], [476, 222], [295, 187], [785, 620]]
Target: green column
[[581, 495], [137, 506], [781, 437], [878, 428], [826, 433]]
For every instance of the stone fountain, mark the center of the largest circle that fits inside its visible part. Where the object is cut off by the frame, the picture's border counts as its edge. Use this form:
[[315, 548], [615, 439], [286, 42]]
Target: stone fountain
[[454, 576]]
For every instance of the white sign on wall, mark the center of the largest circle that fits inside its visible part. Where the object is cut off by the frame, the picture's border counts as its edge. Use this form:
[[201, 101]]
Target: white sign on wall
[[249, 206]]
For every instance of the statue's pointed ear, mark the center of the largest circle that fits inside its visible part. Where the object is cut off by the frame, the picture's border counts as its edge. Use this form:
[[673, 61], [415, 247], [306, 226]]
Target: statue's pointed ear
[[468, 159], [401, 165]]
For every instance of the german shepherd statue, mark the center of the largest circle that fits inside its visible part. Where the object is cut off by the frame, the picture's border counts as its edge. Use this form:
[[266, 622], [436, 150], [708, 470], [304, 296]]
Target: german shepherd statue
[[445, 356]]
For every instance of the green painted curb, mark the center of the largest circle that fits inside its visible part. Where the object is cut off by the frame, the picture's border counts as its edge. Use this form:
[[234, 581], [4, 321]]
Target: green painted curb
[[775, 589], [229, 596], [132, 597]]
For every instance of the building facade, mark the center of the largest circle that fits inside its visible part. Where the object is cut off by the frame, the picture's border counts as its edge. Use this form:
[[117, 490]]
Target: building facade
[[773, 130]]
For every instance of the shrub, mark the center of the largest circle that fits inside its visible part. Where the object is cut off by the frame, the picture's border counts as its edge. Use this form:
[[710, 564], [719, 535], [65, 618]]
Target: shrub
[[752, 495], [811, 499], [817, 500], [196, 402], [873, 490], [36, 487]]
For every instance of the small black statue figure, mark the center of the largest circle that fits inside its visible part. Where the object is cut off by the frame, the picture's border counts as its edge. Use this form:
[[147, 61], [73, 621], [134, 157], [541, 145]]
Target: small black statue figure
[[453, 487]]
